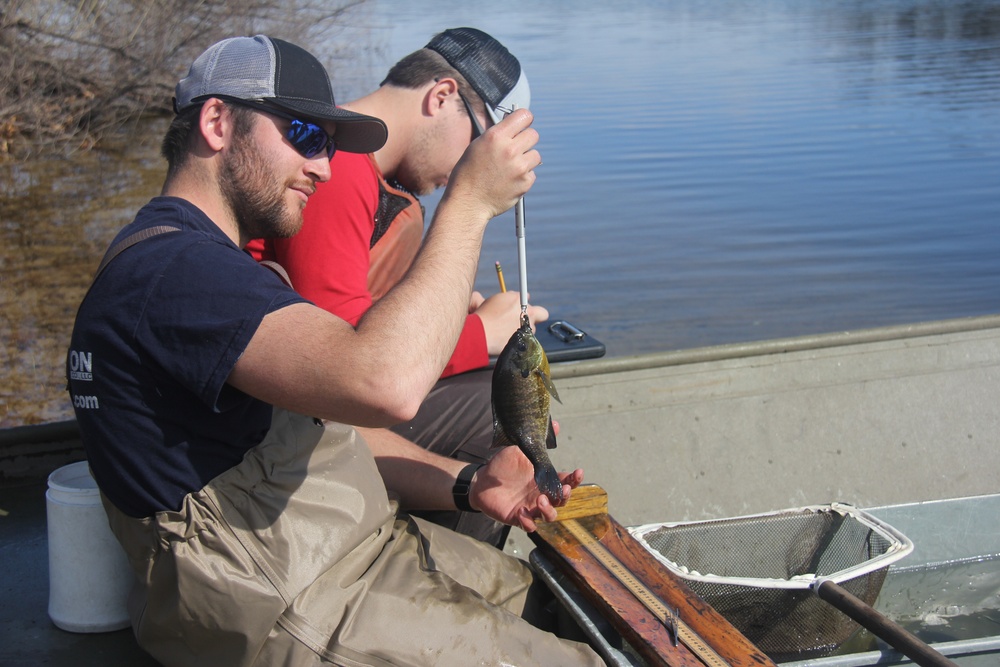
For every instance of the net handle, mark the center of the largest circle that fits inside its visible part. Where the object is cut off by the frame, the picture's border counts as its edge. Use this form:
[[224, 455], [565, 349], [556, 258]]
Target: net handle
[[894, 635]]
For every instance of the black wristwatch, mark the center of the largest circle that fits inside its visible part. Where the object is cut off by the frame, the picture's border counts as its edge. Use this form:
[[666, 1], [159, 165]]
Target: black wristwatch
[[463, 485]]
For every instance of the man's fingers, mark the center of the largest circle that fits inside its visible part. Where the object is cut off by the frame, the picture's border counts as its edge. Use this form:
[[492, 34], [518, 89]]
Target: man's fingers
[[515, 122]]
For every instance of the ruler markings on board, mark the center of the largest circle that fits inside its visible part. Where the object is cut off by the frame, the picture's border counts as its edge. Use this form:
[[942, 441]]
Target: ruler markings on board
[[684, 633]]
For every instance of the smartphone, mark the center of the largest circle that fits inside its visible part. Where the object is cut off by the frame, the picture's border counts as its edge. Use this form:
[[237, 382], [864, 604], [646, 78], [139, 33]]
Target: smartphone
[[563, 341]]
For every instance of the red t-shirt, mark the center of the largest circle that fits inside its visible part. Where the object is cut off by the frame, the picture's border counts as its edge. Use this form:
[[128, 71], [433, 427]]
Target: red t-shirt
[[329, 260]]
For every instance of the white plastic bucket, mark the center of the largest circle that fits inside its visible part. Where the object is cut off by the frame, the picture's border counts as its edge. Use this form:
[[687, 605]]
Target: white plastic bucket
[[89, 576]]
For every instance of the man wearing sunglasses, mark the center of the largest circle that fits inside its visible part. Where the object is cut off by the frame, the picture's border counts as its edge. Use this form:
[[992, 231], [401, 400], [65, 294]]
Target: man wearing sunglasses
[[363, 228], [258, 533]]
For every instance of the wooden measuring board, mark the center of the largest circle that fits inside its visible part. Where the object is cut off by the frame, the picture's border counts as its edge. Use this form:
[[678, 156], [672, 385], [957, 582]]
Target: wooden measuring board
[[653, 609]]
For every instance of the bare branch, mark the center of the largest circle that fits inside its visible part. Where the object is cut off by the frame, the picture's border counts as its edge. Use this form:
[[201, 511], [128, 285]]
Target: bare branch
[[74, 71]]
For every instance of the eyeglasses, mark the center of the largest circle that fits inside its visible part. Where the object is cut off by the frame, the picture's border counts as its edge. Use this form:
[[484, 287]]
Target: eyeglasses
[[477, 129], [308, 139]]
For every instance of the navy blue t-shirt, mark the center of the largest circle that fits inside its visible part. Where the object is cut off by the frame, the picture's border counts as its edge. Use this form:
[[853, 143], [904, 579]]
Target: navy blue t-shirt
[[154, 342]]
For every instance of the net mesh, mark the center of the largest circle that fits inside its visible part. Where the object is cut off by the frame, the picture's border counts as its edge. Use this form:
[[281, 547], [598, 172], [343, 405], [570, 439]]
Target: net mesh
[[757, 571]]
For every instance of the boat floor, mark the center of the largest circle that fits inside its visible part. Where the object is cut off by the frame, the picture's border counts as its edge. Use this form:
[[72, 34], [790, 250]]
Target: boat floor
[[27, 635]]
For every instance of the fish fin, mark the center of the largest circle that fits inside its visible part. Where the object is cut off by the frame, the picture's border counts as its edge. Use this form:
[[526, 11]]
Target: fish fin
[[548, 482], [548, 384], [550, 437], [500, 437], [497, 428]]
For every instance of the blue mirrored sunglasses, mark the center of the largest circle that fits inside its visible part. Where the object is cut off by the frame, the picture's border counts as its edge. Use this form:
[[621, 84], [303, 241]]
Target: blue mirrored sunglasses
[[307, 138]]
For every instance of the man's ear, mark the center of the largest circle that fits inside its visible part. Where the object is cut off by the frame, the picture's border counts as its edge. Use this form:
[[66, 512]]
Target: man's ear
[[438, 94], [215, 123]]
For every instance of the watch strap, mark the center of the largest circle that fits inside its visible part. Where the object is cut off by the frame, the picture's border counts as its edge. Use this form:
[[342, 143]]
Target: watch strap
[[463, 485]]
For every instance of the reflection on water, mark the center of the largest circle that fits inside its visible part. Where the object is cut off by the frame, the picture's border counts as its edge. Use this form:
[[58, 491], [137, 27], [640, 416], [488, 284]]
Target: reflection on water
[[939, 603], [947, 602], [713, 173], [56, 219]]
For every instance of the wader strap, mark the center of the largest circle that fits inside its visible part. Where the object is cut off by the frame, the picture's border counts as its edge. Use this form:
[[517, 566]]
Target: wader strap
[[150, 232], [278, 269], [130, 241]]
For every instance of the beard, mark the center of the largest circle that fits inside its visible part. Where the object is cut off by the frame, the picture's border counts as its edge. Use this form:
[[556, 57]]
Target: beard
[[255, 196], [414, 172], [412, 182]]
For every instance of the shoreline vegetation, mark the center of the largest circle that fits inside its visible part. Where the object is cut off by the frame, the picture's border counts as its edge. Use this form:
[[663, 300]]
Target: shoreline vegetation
[[85, 90], [77, 73]]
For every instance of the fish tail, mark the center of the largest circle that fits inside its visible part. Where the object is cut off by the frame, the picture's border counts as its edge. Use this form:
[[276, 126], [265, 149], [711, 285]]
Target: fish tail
[[549, 483]]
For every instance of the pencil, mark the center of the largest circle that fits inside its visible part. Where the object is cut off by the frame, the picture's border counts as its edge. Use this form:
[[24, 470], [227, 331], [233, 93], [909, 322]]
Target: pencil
[[503, 285]]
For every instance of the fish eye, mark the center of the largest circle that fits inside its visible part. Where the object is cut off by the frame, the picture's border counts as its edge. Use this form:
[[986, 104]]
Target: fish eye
[[521, 346]]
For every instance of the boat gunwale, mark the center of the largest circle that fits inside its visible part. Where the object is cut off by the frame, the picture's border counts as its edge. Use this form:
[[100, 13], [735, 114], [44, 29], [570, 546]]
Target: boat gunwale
[[651, 360]]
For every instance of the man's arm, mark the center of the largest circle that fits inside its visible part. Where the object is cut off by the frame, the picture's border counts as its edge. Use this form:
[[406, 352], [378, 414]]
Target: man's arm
[[309, 361], [504, 489]]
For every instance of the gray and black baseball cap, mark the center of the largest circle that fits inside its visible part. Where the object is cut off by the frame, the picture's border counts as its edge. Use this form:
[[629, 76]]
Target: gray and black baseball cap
[[268, 70], [488, 66]]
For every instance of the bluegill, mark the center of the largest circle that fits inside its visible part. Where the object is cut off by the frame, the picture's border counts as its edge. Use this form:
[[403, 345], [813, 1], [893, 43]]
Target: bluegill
[[521, 390]]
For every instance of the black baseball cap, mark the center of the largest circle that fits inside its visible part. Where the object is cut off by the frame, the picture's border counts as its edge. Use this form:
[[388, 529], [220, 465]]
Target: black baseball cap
[[268, 70], [492, 71]]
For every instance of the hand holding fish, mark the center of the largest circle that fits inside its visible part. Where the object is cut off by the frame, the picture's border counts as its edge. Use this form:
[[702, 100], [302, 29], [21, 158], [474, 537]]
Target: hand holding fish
[[506, 490]]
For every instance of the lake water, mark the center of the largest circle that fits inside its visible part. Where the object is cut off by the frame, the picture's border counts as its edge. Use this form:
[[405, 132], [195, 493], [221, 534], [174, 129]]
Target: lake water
[[713, 173], [945, 602]]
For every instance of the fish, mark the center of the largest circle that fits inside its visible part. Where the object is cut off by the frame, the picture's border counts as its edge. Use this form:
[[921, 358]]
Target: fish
[[520, 399]]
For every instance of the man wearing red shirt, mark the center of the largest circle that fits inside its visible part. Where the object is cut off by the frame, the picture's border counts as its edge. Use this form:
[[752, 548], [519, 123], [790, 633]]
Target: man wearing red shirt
[[364, 226]]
